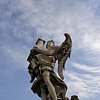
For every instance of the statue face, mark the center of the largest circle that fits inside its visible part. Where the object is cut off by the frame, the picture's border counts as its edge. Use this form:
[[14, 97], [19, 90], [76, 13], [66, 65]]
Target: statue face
[[40, 43], [50, 45]]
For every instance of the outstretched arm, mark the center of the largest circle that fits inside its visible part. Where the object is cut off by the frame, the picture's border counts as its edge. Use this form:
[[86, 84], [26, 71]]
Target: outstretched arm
[[42, 51]]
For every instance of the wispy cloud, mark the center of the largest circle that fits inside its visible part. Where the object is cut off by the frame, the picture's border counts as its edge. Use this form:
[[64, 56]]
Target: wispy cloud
[[16, 55], [93, 69], [86, 86]]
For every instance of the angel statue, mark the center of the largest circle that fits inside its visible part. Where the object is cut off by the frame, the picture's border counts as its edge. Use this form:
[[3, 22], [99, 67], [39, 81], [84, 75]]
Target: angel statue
[[42, 62]]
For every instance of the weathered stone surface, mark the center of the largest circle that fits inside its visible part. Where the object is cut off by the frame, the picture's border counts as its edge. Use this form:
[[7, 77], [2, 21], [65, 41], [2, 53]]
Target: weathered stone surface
[[45, 83]]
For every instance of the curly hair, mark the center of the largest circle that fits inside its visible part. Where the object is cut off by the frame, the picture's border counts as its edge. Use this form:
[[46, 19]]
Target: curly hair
[[50, 41]]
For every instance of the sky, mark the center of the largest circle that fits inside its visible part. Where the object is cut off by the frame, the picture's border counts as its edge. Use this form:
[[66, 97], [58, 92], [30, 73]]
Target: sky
[[22, 22]]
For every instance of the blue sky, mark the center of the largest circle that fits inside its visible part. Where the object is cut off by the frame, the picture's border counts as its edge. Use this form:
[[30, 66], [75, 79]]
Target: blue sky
[[22, 22]]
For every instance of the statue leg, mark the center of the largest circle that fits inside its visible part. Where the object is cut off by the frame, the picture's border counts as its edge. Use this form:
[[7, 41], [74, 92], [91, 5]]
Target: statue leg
[[49, 97], [51, 89], [43, 94]]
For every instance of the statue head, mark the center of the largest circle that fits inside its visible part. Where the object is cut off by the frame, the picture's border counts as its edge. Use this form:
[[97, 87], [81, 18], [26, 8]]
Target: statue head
[[74, 97], [40, 42], [50, 44]]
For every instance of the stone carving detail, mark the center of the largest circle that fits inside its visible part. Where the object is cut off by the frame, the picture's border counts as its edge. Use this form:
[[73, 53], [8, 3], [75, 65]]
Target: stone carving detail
[[45, 83]]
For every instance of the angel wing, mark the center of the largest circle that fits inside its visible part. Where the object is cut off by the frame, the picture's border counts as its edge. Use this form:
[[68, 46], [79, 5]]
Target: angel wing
[[63, 53]]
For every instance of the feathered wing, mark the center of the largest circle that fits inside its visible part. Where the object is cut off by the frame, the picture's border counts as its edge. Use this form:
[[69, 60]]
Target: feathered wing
[[63, 53]]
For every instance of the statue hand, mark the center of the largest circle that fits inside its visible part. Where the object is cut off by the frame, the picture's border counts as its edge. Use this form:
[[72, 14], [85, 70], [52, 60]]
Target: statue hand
[[33, 49]]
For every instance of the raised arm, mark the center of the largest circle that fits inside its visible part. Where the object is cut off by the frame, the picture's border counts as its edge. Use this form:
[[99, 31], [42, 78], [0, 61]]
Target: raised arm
[[43, 51]]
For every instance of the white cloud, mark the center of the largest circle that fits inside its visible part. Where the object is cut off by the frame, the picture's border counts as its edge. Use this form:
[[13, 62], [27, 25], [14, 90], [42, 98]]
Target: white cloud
[[54, 18], [17, 55], [84, 85], [51, 20], [93, 69], [92, 42]]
